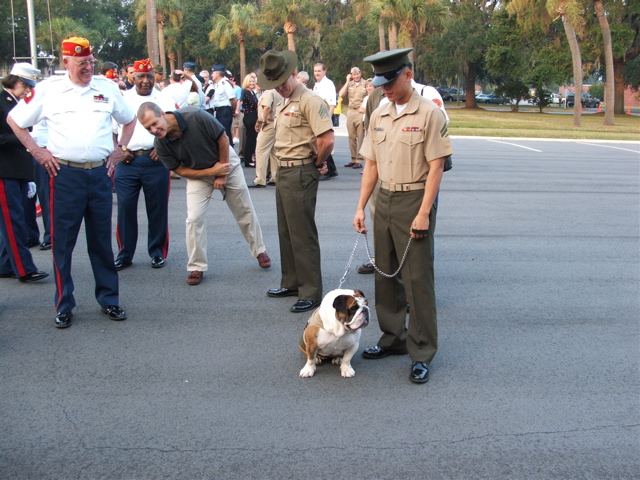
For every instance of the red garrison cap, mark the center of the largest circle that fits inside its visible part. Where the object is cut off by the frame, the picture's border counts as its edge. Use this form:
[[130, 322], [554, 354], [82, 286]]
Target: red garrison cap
[[76, 47]]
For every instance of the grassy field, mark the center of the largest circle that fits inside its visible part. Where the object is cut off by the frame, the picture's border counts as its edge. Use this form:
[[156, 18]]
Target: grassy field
[[530, 123]]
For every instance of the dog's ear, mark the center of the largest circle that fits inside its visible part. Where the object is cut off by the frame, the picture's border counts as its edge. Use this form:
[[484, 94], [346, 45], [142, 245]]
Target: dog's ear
[[358, 293], [340, 303]]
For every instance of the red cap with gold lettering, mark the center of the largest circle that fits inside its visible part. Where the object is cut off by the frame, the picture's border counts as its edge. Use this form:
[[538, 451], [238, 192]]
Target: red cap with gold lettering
[[76, 47]]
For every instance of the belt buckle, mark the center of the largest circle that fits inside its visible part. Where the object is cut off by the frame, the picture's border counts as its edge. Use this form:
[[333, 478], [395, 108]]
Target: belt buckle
[[87, 165], [291, 163], [405, 187]]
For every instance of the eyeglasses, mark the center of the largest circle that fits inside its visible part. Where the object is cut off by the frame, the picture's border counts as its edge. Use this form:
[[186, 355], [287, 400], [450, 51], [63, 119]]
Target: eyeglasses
[[85, 63]]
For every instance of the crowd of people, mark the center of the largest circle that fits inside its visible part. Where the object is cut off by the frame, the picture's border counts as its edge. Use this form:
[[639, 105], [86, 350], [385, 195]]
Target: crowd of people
[[84, 135]]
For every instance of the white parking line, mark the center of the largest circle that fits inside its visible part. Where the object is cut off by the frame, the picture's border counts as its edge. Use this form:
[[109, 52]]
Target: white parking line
[[516, 145], [609, 146]]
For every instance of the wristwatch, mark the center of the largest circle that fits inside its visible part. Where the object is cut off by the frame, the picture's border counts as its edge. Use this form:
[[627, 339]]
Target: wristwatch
[[123, 147]]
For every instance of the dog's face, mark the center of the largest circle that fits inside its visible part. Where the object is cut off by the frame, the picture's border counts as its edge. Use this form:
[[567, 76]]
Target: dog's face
[[352, 311]]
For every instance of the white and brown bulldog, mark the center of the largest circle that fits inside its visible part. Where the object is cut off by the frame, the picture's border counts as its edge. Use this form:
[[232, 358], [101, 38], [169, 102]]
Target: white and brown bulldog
[[333, 331]]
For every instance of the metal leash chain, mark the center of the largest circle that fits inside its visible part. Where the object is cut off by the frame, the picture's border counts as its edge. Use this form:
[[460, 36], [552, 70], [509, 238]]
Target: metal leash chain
[[353, 253], [366, 243]]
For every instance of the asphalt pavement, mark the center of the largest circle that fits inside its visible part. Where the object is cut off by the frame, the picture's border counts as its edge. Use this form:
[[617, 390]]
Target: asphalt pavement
[[536, 377]]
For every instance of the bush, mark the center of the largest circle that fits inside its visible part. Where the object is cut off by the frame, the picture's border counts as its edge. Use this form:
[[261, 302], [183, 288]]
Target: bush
[[597, 90]]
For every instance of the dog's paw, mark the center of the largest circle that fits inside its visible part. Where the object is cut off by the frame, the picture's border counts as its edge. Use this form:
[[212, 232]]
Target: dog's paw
[[336, 360], [307, 371], [318, 361], [347, 371]]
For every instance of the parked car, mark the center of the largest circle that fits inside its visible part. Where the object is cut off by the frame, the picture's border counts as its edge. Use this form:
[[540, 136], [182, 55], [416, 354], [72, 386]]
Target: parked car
[[586, 100], [555, 99], [496, 99], [481, 97], [448, 94], [590, 102]]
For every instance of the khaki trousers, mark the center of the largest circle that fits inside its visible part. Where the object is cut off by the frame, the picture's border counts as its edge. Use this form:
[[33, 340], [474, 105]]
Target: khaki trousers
[[356, 134], [199, 192], [394, 213], [265, 155]]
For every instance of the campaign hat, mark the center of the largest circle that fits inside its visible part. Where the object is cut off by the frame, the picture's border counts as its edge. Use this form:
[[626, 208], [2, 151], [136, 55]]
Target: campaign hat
[[276, 67], [26, 73], [387, 65]]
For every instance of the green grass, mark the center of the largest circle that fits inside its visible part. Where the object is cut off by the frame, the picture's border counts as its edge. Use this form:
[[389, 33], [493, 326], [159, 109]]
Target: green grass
[[532, 124]]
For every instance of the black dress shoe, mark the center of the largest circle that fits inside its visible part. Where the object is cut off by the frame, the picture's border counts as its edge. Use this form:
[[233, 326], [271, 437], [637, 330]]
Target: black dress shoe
[[114, 312], [33, 244], [419, 372], [63, 319], [45, 246], [373, 353], [157, 262], [256, 185], [304, 305], [120, 264], [281, 292], [34, 277], [273, 184]]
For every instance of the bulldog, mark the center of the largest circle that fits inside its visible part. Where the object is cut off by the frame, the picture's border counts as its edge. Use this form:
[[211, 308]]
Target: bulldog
[[333, 331]]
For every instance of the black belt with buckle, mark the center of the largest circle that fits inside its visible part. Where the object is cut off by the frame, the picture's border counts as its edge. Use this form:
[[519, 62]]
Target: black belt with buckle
[[141, 152]]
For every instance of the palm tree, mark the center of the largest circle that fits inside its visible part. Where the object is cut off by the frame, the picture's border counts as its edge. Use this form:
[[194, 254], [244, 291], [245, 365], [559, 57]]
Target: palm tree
[[61, 29], [365, 9], [152, 30], [293, 12], [166, 11], [417, 17], [242, 23]]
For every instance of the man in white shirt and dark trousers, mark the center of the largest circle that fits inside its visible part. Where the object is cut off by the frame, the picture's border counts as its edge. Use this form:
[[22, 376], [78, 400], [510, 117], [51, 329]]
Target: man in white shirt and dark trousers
[[141, 169], [222, 99], [326, 90]]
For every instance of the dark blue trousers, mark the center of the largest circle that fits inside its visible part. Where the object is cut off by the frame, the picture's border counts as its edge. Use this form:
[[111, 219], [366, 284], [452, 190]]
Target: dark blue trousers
[[42, 194], [15, 257], [154, 179], [225, 116], [77, 195]]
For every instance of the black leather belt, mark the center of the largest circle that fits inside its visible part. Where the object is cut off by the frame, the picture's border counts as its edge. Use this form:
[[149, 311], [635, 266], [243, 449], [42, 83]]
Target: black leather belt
[[141, 152], [221, 108]]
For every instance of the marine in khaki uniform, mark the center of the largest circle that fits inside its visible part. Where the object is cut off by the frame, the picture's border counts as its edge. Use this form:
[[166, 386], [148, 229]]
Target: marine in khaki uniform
[[304, 140], [405, 148], [265, 156], [355, 92]]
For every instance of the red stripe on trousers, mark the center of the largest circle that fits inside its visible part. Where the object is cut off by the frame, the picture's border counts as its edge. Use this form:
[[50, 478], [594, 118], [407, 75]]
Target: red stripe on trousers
[[13, 244]]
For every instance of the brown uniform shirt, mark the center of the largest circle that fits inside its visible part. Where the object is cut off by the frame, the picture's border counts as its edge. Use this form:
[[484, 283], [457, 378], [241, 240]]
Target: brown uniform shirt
[[356, 94], [269, 98], [298, 122], [403, 145]]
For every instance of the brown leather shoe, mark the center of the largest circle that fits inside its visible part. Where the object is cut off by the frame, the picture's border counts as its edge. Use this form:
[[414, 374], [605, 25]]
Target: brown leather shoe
[[195, 277], [263, 260]]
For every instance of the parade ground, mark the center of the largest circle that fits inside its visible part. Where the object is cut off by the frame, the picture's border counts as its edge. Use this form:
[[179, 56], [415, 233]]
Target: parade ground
[[537, 374]]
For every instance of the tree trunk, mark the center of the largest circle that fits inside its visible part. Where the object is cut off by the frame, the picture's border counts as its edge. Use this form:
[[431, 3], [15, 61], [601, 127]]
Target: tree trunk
[[393, 36], [609, 86], [152, 31], [618, 73], [163, 55], [383, 43], [172, 64], [470, 86], [243, 63], [577, 69]]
